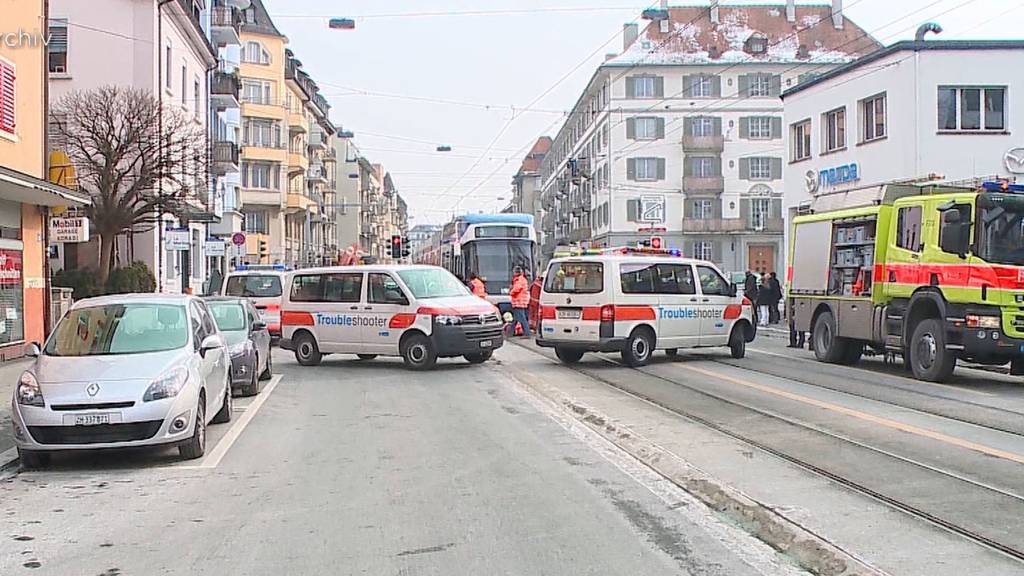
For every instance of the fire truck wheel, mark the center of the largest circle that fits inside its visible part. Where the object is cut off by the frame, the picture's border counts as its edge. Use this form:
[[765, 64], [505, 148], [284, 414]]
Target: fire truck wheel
[[828, 347], [929, 358]]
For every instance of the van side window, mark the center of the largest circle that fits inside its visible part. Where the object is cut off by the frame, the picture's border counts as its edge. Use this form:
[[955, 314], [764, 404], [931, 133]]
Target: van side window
[[908, 228], [343, 287], [711, 282], [384, 290], [674, 279], [307, 288], [637, 278]]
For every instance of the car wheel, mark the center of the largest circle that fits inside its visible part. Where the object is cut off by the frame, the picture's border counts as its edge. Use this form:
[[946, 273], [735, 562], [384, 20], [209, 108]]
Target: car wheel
[[33, 459], [828, 347], [195, 446], [418, 353], [568, 355], [929, 359], [738, 343], [638, 348], [366, 356], [672, 352], [307, 353], [254, 383], [224, 414], [479, 357], [268, 371]]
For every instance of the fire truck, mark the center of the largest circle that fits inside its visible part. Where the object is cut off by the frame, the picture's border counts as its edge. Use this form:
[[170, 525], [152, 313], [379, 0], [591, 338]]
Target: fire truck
[[931, 272]]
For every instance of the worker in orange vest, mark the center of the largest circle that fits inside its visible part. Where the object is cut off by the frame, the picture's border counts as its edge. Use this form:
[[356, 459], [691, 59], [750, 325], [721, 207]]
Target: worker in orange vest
[[476, 284], [520, 295]]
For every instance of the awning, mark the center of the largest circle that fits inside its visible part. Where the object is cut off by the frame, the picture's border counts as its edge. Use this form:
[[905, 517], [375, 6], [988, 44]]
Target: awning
[[21, 187]]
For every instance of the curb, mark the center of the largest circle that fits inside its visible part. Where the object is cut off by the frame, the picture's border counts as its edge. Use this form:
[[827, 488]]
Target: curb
[[8, 459]]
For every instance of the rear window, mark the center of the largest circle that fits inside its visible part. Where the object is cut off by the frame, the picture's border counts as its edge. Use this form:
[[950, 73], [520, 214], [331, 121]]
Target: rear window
[[254, 286], [575, 278]]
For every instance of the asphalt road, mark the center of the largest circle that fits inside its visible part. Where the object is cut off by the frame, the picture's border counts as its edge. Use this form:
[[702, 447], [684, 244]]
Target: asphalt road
[[366, 468]]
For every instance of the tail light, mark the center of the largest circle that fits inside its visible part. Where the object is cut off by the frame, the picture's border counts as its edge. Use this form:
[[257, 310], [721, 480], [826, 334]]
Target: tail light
[[747, 302], [607, 313]]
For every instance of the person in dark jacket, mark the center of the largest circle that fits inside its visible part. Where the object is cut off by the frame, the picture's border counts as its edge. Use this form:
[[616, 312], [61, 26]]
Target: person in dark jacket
[[765, 297], [773, 306], [750, 290]]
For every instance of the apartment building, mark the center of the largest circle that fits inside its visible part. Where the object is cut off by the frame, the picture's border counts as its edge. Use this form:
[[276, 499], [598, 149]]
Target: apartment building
[[26, 197], [526, 185], [155, 45], [347, 206], [680, 136]]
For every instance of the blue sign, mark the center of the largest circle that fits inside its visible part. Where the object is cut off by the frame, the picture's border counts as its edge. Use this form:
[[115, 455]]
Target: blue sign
[[838, 175]]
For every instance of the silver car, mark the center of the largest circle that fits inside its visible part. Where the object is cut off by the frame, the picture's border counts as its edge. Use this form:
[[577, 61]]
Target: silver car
[[124, 370]]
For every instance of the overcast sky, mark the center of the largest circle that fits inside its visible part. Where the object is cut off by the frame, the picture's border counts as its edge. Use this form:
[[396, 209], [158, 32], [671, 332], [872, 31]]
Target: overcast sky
[[384, 79]]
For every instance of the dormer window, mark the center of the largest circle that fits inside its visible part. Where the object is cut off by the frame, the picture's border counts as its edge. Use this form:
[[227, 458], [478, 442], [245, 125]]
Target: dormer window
[[757, 44]]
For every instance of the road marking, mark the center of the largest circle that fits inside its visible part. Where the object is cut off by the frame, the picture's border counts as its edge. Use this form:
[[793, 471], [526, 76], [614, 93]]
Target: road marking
[[213, 458], [8, 458], [882, 421]]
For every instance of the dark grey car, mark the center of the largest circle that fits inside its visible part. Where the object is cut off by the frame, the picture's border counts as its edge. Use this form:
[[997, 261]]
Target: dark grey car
[[248, 342]]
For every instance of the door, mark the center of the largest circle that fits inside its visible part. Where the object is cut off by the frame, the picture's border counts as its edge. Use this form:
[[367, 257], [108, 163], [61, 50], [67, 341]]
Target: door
[[678, 310], [384, 300], [212, 366], [343, 329], [260, 338], [714, 297], [761, 258]]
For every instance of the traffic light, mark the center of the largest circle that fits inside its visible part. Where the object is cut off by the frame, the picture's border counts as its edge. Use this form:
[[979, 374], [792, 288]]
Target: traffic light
[[264, 250], [396, 246], [643, 243], [405, 247]]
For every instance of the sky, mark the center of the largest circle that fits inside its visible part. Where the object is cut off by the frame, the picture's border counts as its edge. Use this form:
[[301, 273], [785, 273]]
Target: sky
[[417, 74]]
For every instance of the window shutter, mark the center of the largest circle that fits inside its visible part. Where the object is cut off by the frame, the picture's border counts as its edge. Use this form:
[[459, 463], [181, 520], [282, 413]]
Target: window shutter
[[745, 210], [776, 127], [716, 251], [245, 174], [630, 168], [661, 168], [744, 127], [687, 208], [58, 30], [716, 208], [687, 86], [776, 168], [687, 167], [630, 87], [661, 128], [716, 86], [688, 248], [632, 210], [631, 128], [776, 85], [7, 97], [716, 166], [775, 210], [716, 126], [744, 85], [659, 86], [744, 168], [688, 126]]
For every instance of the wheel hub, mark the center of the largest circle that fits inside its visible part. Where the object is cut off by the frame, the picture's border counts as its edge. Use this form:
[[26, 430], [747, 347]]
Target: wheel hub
[[927, 350], [417, 353]]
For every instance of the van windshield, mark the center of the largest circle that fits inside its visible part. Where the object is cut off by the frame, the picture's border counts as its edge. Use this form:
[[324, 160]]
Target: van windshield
[[254, 286], [575, 278], [432, 283]]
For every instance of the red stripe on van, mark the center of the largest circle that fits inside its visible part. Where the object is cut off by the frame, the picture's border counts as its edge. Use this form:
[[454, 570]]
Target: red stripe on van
[[591, 313], [401, 321], [296, 318], [634, 313]]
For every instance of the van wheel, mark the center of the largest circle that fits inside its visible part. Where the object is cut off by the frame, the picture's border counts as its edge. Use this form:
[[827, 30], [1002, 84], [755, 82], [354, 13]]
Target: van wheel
[[828, 347], [366, 356], [638, 348], [33, 459], [568, 355], [418, 353], [929, 359], [738, 343], [672, 352], [307, 353], [479, 357]]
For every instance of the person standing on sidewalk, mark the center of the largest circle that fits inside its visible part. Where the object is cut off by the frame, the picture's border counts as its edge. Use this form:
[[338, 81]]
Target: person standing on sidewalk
[[765, 295], [776, 289], [750, 290], [520, 295], [476, 284]]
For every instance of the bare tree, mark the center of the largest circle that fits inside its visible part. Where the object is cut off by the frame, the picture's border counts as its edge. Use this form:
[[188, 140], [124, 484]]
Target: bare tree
[[136, 160]]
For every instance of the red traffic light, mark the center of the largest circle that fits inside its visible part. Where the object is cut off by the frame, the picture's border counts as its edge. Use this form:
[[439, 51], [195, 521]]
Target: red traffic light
[[396, 240], [656, 242]]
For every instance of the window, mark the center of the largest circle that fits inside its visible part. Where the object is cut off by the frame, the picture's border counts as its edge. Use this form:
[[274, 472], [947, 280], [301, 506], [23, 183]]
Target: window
[[256, 222], [801, 132], [835, 130], [702, 126], [327, 288], [674, 279], [8, 95], [120, 329], [760, 127], [759, 212], [700, 86], [167, 66], [255, 53], [258, 91], [757, 44], [384, 290], [645, 168], [703, 250], [199, 332], [262, 133], [57, 47], [195, 90], [644, 86], [646, 128], [575, 278], [760, 168], [254, 285], [702, 166], [636, 278], [908, 228], [972, 108], [872, 113], [711, 282], [702, 209], [760, 85], [261, 175], [425, 283]]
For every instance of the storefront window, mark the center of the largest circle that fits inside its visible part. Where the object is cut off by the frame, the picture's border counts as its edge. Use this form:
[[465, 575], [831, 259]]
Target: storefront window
[[12, 322]]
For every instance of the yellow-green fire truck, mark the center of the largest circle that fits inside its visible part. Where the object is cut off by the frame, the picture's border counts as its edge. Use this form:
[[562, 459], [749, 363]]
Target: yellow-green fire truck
[[934, 273]]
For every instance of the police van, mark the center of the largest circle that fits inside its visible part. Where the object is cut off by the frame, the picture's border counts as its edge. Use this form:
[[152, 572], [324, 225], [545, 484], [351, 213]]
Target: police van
[[636, 301], [261, 284], [420, 313]]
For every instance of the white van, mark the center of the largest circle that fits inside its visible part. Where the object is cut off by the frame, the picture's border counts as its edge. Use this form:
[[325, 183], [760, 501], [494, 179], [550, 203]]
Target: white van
[[638, 301], [420, 313], [262, 286]]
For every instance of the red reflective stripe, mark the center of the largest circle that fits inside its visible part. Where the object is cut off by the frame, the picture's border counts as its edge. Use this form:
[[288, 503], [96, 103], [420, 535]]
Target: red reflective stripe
[[591, 313], [634, 313], [547, 312], [297, 318], [273, 307], [434, 311], [956, 275], [732, 312], [789, 275], [401, 321], [274, 327]]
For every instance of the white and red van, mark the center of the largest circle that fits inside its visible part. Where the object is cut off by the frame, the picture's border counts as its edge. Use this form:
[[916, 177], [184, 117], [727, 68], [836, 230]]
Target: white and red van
[[262, 286], [638, 301]]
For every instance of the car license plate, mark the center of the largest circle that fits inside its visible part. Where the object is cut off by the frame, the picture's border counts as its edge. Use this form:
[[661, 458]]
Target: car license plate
[[91, 419], [485, 343], [568, 314]]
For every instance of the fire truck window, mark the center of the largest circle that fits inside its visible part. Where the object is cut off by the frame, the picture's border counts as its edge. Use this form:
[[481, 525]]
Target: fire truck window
[[908, 228]]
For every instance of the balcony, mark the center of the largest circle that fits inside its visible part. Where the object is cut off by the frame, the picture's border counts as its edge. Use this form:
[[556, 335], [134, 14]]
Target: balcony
[[297, 123], [317, 173], [715, 143], [225, 157], [703, 184], [260, 197], [297, 162], [731, 226], [298, 202], [224, 90], [330, 155], [225, 25]]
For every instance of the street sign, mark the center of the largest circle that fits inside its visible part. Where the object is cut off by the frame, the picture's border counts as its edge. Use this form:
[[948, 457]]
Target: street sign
[[652, 209], [215, 247], [238, 238], [69, 230], [177, 239]]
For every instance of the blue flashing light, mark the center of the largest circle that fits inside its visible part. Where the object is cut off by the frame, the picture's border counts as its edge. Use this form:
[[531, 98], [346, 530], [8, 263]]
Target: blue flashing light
[[1001, 186], [675, 252]]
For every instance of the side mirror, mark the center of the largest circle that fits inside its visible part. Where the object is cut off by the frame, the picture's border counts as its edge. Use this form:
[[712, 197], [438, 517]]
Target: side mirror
[[259, 325], [211, 342], [32, 350]]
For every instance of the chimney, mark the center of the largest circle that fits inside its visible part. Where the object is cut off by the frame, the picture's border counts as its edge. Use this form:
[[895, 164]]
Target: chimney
[[714, 11], [790, 10], [629, 34], [837, 14]]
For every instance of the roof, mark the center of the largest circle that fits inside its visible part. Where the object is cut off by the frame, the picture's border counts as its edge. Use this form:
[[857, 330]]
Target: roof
[[532, 161], [365, 268], [21, 187], [908, 46], [263, 24], [693, 38], [148, 298]]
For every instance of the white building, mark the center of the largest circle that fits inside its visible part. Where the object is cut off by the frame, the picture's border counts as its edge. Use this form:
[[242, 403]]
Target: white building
[[912, 110], [526, 185], [680, 136]]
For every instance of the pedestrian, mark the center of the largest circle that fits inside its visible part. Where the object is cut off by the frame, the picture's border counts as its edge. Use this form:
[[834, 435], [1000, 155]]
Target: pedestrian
[[476, 284], [750, 290], [520, 295], [773, 307], [796, 337], [764, 300]]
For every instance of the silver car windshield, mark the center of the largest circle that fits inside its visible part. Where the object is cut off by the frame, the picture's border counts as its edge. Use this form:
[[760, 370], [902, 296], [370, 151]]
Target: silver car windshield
[[119, 329]]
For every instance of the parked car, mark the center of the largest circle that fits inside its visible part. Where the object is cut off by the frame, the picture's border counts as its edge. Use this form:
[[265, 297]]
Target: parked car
[[120, 371], [248, 342]]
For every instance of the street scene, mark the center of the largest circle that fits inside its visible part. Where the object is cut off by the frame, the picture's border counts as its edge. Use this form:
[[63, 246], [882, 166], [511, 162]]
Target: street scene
[[722, 288]]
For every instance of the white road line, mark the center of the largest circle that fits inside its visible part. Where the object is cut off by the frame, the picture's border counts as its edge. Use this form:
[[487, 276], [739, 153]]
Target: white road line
[[213, 458]]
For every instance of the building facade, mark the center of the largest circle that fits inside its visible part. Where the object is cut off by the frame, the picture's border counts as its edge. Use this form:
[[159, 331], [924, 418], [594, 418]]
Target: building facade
[[347, 206], [526, 185], [680, 136]]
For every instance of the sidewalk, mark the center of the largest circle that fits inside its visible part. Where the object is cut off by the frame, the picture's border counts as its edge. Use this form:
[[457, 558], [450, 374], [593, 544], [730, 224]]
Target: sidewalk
[[9, 374]]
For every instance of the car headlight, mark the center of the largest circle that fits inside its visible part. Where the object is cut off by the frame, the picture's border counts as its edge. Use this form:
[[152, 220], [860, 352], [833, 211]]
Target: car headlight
[[975, 321], [240, 348], [167, 385], [448, 320], [28, 391]]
